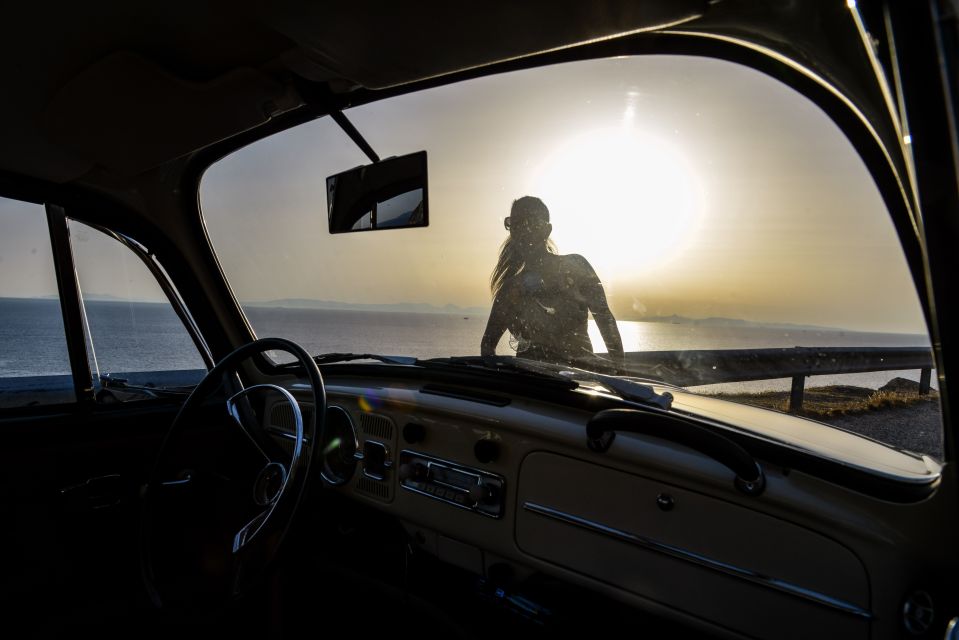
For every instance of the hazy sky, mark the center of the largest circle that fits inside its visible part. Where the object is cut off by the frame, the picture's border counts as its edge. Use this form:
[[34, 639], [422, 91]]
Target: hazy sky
[[693, 186], [104, 266]]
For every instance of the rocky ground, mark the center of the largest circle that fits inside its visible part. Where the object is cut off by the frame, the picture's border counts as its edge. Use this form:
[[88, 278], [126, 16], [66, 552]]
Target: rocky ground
[[894, 414], [917, 427]]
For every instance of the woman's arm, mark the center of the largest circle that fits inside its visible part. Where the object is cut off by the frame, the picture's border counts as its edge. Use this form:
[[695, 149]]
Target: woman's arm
[[498, 323], [592, 290]]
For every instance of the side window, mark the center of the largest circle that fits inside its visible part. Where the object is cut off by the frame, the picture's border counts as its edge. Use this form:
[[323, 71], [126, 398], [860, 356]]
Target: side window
[[34, 363], [137, 345]]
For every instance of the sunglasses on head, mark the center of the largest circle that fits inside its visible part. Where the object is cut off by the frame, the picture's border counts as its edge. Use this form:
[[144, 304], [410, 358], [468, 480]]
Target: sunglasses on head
[[535, 223]]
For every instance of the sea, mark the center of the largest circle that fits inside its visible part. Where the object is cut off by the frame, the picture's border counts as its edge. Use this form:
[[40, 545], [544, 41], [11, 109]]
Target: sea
[[149, 337]]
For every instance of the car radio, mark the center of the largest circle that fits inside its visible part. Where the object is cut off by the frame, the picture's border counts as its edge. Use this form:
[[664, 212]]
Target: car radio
[[465, 487]]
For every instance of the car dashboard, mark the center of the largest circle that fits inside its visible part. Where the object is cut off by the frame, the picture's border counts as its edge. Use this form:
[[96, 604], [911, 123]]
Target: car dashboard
[[483, 481]]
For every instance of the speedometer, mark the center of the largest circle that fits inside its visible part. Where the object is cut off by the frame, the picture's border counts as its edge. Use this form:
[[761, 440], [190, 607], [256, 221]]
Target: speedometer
[[339, 445]]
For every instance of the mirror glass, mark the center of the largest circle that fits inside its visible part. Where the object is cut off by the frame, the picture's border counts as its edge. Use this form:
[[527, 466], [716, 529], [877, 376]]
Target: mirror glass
[[390, 194]]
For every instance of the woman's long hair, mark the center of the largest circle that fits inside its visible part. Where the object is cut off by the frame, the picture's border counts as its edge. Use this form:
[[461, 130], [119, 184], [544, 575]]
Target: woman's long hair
[[513, 253]]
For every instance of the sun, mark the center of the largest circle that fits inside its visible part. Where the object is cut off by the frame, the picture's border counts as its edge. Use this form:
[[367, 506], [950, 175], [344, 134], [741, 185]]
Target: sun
[[624, 199]]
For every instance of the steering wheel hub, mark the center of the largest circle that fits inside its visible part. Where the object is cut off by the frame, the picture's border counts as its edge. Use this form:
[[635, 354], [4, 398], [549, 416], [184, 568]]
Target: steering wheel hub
[[269, 484]]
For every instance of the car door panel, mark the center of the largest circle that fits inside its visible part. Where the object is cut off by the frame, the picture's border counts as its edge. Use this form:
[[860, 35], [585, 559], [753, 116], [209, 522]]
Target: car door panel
[[70, 482]]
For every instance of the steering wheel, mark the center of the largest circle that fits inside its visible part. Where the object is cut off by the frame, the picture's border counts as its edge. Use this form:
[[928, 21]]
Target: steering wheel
[[223, 492]]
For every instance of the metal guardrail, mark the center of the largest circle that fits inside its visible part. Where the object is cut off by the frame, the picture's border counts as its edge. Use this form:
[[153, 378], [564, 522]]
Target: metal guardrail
[[692, 368]]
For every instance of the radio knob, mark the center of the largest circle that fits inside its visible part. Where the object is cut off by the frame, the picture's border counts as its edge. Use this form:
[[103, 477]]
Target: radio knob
[[486, 451], [480, 494], [414, 471], [414, 433]]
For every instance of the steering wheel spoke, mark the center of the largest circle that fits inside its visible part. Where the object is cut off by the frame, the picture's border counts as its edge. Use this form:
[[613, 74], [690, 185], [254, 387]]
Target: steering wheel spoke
[[249, 530], [238, 408]]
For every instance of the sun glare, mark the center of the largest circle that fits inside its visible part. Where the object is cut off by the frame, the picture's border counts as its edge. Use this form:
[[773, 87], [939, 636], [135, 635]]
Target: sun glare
[[624, 199]]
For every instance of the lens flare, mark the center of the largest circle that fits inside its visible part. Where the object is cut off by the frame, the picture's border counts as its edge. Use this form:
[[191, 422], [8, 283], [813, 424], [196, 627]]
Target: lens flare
[[369, 402], [334, 443]]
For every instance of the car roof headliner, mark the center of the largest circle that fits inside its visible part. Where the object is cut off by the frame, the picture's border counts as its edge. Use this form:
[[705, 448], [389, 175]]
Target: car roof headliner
[[105, 91]]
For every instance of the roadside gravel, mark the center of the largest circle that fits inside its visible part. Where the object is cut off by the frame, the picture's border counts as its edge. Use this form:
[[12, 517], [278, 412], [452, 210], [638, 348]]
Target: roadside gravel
[[915, 428]]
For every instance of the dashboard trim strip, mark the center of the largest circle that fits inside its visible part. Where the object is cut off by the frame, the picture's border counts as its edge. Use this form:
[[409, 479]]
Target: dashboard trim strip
[[699, 559]]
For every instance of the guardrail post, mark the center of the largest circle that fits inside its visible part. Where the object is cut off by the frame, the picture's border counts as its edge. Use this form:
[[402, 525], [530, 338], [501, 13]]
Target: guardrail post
[[796, 395], [925, 376]]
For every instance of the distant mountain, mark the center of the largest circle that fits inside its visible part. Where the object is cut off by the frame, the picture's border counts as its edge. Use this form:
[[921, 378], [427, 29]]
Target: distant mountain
[[98, 297], [403, 307], [107, 297], [736, 322]]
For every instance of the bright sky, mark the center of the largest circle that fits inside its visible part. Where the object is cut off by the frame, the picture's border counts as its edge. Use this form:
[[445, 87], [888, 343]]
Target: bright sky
[[693, 186]]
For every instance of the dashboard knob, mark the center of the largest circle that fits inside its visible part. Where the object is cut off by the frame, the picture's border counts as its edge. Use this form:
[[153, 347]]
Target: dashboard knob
[[414, 433], [486, 451], [480, 494], [413, 471]]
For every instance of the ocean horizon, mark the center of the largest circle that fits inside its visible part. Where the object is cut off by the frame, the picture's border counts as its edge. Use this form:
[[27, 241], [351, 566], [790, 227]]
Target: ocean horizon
[[142, 336]]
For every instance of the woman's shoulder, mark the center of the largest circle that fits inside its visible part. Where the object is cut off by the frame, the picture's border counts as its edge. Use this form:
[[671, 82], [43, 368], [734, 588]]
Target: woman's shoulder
[[575, 262]]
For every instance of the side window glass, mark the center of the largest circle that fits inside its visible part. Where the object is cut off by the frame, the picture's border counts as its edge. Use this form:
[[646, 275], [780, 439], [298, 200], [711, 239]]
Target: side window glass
[[137, 345], [34, 364]]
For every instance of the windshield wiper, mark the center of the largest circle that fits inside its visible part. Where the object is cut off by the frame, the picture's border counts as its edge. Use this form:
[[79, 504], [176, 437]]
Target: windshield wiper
[[638, 392]]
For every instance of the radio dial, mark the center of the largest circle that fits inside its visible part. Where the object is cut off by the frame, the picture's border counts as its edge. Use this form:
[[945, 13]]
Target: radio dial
[[415, 471]]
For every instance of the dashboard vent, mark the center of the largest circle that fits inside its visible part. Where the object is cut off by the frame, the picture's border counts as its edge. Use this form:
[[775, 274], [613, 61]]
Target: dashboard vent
[[374, 489], [281, 416], [377, 426]]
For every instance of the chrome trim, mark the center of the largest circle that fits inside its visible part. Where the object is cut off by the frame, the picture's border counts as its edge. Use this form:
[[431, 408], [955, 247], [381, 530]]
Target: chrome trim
[[701, 560], [253, 527], [297, 416], [282, 433], [178, 483], [387, 464], [163, 279], [952, 630]]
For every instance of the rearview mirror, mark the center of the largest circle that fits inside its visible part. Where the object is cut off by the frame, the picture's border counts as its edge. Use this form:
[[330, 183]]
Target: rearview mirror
[[390, 194]]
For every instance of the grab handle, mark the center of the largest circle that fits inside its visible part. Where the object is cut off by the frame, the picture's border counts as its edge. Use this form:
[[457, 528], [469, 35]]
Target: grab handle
[[602, 427]]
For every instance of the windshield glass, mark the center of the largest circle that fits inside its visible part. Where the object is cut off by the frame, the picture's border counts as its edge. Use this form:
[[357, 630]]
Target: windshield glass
[[676, 218]]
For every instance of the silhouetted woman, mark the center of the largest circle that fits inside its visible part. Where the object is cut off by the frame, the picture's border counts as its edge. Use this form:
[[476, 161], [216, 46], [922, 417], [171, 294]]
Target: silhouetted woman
[[543, 299]]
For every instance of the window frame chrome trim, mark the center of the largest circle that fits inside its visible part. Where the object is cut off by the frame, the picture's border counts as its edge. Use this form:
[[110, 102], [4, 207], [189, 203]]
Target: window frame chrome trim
[[166, 285]]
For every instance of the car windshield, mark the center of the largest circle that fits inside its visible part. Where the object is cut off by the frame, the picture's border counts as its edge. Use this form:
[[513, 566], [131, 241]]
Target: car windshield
[[672, 218]]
